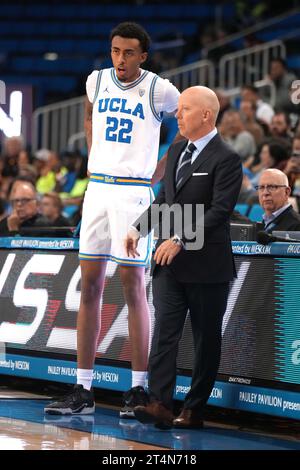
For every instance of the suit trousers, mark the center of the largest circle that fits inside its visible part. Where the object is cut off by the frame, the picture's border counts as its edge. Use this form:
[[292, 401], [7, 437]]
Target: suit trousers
[[206, 304]]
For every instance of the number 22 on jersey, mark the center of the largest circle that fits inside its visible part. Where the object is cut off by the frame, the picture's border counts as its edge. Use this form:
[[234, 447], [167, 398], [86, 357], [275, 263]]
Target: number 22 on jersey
[[118, 130]]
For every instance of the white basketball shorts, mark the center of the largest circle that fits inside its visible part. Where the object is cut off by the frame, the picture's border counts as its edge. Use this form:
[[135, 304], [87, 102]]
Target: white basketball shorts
[[111, 204]]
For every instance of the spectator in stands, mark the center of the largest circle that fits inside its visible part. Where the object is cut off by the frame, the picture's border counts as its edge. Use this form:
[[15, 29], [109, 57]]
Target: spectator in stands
[[3, 184], [24, 159], [273, 154], [296, 144], [48, 166], [273, 192], [2, 208], [51, 207], [157, 63], [264, 112], [75, 196], [46, 178], [196, 47], [66, 177], [281, 127], [233, 131], [12, 148], [29, 172], [297, 127], [224, 101], [282, 80], [251, 40], [292, 169], [250, 13], [247, 111], [54, 162], [215, 54], [25, 166], [25, 209]]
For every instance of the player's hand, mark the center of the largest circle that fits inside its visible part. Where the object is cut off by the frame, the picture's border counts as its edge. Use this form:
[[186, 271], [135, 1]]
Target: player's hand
[[166, 252], [131, 243]]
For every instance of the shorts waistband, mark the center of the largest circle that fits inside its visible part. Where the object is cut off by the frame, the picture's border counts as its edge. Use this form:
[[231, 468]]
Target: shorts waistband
[[109, 179]]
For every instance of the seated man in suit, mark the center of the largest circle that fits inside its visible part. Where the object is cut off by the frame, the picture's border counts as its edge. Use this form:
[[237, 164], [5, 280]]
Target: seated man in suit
[[25, 210], [273, 192], [201, 170]]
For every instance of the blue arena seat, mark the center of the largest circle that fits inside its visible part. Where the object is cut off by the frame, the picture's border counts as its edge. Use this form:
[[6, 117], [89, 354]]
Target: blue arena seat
[[255, 213], [9, 45], [275, 33], [68, 211], [12, 11], [29, 64], [293, 61], [80, 36], [242, 208]]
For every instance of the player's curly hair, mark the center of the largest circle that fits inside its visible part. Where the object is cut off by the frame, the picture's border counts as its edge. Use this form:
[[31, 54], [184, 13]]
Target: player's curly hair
[[132, 31]]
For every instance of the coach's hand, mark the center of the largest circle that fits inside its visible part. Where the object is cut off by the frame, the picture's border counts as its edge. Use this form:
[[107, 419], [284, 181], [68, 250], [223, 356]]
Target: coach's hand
[[166, 252]]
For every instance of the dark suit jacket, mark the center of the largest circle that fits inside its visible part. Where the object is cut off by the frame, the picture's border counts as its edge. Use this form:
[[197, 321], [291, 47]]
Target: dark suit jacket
[[35, 221], [217, 189], [37, 226], [288, 220]]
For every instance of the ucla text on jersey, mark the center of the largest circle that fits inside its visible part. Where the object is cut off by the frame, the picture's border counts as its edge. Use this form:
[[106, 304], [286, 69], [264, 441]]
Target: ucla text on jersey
[[120, 105]]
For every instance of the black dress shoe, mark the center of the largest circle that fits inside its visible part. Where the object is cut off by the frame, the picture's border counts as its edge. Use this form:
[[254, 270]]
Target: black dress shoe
[[155, 413], [188, 419]]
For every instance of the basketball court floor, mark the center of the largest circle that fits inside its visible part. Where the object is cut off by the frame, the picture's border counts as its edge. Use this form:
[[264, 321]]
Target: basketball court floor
[[23, 426]]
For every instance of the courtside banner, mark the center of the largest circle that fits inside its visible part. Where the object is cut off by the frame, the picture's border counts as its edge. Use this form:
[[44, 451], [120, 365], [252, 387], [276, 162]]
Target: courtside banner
[[227, 395], [39, 301]]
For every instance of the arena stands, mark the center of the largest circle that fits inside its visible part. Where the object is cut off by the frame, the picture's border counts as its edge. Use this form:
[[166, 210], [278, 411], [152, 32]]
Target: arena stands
[[52, 47]]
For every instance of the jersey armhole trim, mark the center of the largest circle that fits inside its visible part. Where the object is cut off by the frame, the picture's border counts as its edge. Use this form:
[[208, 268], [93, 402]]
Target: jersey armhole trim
[[151, 100], [97, 86]]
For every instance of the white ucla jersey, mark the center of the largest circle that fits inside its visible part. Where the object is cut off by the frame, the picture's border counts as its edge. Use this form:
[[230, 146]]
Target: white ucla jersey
[[126, 122]]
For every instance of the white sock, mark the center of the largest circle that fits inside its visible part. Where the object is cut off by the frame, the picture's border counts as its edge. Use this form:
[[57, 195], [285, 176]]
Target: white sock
[[85, 378], [138, 377]]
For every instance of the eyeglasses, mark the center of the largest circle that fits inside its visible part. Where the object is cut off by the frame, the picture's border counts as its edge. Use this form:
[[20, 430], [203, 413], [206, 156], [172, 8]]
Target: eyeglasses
[[269, 187], [22, 201]]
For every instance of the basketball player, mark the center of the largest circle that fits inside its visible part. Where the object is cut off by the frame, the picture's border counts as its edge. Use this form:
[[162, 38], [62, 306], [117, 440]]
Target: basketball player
[[124, 109]]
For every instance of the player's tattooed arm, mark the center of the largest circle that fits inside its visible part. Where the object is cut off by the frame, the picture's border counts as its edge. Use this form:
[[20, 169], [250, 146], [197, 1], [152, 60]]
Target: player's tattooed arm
[[88, 111]]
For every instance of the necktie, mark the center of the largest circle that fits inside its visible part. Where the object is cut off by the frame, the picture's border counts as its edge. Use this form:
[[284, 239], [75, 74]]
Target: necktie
[[185, 163]]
